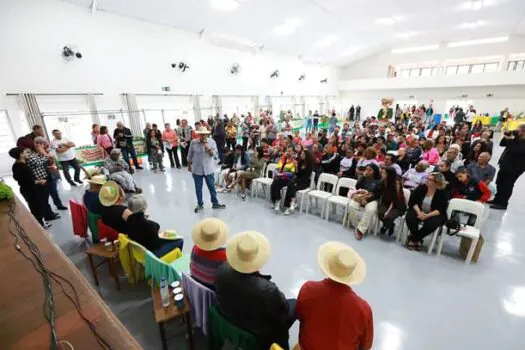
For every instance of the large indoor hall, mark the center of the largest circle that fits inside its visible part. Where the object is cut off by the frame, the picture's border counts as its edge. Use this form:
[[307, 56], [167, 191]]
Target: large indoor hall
[[262, 175]]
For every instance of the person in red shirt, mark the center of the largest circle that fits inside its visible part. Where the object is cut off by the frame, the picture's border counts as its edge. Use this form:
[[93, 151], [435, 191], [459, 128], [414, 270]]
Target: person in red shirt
[[332, 316], [208, 253]]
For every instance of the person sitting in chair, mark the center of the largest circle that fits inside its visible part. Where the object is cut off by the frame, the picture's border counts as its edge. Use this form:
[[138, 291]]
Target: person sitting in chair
[[208, 253], [146, 232], [117, 169], [114, 213], [249, 299], [91, 196]]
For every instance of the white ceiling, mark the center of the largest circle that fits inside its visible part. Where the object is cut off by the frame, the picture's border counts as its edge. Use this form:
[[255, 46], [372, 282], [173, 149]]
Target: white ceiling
[[352, 22]]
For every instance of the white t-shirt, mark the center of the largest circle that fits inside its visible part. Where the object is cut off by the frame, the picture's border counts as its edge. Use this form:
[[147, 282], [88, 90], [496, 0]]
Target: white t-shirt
[[470, 116], [64, 156]]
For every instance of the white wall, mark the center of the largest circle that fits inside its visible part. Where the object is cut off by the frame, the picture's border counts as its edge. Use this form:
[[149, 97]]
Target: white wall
[[127, 55], [376, 66]]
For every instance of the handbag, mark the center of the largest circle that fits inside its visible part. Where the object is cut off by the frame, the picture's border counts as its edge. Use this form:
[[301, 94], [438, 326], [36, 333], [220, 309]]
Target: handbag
[[453, 224]]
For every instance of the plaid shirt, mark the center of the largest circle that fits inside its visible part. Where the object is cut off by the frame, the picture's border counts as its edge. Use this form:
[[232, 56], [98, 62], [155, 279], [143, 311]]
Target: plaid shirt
[[37, 164]]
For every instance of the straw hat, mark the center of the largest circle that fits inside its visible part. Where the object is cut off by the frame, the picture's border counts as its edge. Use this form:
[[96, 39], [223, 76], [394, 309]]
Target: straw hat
[[341, 263], [248, 251], [210, 234], [109, 193], [97, 180], [202, 131]]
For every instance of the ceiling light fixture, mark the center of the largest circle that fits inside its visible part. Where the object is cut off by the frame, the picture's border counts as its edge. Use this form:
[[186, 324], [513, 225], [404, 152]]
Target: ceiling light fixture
[[499, 39], [290, 26], [388, 21], [472, 25], [405, 35], [224, 5], [326, 41], [351, 51], [416, 49]]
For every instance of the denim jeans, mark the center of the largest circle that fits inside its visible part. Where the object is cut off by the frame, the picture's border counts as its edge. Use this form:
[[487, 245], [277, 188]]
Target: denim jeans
[[53, 192], [130, 151], [210, 183], [168, 246]]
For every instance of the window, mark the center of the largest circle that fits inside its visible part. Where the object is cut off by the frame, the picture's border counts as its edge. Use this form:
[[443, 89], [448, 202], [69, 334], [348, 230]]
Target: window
[[414, 72], [70, 124], [7, 138], [435, 71], [451, 70], [464, 69], [477, 68], [520, 65], [515, 65], [491, 67], [425, 72], [404, 73]]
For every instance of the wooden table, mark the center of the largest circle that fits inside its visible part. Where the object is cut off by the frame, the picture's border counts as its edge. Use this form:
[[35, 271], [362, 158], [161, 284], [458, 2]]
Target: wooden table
[[109, 257], [22, 322], [165, 314]]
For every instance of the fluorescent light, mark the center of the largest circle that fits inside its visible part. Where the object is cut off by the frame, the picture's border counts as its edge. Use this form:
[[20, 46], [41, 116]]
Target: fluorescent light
[[416, 49], [476, 5], [405, 35], [472, 25], [499, 39], [224, 5], [326, 41], [388, 21], [351, 51], [295, 22], [284, 29]]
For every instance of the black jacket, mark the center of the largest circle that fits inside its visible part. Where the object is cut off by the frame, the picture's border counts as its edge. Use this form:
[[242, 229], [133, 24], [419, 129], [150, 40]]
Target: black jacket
[[125, 140], [330, 163], [513, 156], [372, 186], [253, 303], [439, 201], [144, 231]]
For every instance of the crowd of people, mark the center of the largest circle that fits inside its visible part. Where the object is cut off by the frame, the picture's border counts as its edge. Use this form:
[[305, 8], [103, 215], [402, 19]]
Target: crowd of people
[[408, 166]]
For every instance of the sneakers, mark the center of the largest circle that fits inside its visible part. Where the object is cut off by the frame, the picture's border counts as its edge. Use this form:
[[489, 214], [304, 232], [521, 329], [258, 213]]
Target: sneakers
[[54, 217], [277, 208], [219, 190], [78, 181], [72, 184], [47, 225], [139, 167], [358, 235], [288, 211], [243, 196], [498, 207], [62, 207], [219, 206], [293, 205], [198, 208], [162, 170]]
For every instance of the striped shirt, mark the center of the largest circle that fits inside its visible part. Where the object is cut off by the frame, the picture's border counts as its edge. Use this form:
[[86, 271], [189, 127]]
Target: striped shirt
[[204, 264]]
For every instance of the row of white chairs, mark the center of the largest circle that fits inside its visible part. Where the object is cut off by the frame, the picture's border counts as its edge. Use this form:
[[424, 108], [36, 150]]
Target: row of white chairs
[[331, 198]]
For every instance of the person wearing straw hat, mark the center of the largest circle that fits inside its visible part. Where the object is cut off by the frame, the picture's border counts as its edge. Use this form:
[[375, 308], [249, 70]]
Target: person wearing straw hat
[[331, 315], [249, 299], [91, 196], [202, 163], [145, 231], [208, 253], [114, 213]]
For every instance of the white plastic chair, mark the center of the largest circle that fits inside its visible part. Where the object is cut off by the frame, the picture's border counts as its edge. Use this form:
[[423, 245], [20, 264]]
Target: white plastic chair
[[304, 192], [472, 232], [402, 232], [265, 181], [338, 200], [319, 193]]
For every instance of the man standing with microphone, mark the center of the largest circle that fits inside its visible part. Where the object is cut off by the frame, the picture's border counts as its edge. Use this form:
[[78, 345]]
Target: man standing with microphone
[[202, 161]]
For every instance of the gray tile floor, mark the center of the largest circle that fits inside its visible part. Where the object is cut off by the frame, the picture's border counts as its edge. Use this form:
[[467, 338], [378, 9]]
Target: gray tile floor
[[419, 301]]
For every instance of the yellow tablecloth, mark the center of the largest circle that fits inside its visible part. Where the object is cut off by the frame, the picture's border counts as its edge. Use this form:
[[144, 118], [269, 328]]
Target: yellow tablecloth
[[514, 124]]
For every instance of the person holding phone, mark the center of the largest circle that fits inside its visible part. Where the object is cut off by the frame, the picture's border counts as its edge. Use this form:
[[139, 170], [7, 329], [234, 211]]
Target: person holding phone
[[202, 155]]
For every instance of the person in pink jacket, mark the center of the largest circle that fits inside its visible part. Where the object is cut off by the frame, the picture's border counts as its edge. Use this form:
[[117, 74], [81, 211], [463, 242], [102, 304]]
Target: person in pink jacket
[[430, 153]]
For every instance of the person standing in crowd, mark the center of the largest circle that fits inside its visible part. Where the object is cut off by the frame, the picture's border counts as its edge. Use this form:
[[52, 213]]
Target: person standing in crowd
[[105, 141], [208, 253], [37, 161], [38, 130], [28, 183], [428, 205], [309, 118], [171, 143], [146, 130], [316, 122], [201, 163], [124, 141], [358, 113], [231, 135], [66, 155], [459, 118], [219, 136], [95, 131], [245, 132], [503, 116], [185, 135], [392, 200], [154, 147], [247, 298], [511, 166], [331, 315], [351, 113]]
